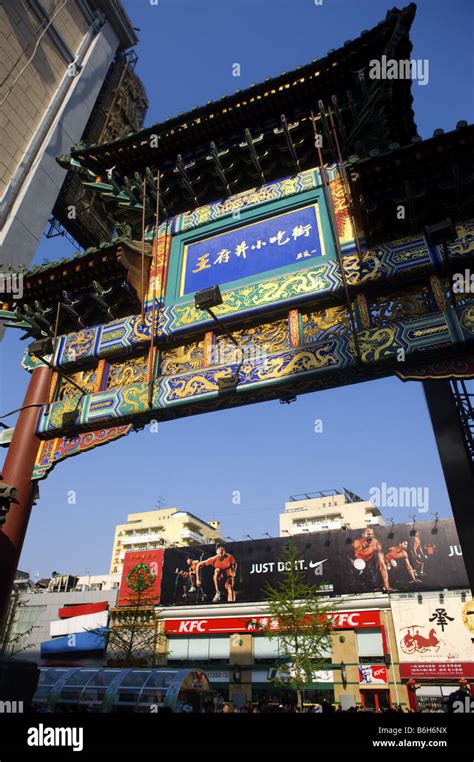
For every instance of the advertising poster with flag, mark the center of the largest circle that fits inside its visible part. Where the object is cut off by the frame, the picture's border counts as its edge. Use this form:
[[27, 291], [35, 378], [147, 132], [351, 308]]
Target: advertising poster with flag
[[141, 578]]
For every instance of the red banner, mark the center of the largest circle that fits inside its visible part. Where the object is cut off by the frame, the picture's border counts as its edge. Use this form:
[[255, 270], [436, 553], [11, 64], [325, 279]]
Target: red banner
[[341, 620], [82, 609], [141, 578], [442, 671]]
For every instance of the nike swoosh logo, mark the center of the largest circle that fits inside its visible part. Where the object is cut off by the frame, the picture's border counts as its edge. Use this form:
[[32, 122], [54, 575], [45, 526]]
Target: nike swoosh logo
[[316, 563]]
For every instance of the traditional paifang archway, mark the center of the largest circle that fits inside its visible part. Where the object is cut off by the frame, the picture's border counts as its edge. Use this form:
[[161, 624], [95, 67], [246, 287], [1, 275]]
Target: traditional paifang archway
[[330, 247]]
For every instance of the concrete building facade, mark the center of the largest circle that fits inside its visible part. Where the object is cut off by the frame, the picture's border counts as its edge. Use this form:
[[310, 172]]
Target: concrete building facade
[[362, 663], [166, 527], [55, 57], [36, 613], [323, 511]]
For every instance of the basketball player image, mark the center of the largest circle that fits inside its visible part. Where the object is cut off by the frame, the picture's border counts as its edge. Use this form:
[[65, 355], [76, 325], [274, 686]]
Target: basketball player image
[[225, 567], [369, 559], [400, 553]]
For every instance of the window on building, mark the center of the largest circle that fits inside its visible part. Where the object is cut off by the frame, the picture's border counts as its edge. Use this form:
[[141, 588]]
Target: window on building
[[265, 649], [369, 646], [219, 648], [198, 649], [26, 617]]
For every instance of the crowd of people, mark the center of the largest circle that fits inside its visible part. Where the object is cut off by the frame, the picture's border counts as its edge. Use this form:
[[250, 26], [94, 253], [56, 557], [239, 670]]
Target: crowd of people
[[325, 707]]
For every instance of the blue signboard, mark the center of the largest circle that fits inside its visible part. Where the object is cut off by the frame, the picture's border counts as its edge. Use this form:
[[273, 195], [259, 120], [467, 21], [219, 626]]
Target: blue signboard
[[285, 239], [80, 641]]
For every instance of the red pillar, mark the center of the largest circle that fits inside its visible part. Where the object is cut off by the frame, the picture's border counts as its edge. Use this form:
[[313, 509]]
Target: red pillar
[[17, 472], [412, 694]]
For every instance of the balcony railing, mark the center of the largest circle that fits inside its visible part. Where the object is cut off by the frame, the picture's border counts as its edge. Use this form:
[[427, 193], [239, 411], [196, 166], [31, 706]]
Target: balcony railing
[[188, 534], [140, 538]]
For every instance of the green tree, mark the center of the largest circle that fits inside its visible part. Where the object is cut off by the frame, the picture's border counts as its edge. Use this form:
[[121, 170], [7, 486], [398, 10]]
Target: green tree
[[303, 624], [132, 635]]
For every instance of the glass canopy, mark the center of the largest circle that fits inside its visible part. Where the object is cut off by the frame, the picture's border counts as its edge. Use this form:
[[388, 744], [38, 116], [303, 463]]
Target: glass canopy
[[104, 689]]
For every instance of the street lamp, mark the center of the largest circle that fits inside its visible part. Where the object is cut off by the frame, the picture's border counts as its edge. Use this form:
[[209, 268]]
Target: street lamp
[[287, 399], [343, 675], [208, 298], [7, 496], [236, 674]]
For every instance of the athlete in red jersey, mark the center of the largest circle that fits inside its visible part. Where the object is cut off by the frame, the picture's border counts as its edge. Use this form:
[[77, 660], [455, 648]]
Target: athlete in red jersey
[[400, 552], [368, 549], [419, 554], [225, 567]]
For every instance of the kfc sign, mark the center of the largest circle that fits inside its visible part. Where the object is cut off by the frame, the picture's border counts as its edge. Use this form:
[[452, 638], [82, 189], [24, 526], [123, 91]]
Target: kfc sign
[[192, 625], [347, 620], [342, 620], [372, 674]]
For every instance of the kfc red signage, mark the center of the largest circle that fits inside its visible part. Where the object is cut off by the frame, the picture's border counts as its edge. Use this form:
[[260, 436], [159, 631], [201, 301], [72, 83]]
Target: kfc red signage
[[352, 620], [438, 671], [372, 674], [341, 620]]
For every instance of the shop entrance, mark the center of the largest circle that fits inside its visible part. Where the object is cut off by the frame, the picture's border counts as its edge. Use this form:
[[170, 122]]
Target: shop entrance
[[375, 701]]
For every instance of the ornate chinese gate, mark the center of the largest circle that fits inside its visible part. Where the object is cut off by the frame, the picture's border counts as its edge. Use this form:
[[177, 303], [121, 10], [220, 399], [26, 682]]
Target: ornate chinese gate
[[338, 273]]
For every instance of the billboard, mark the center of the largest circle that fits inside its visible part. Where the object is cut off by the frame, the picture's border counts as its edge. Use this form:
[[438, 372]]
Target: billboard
[[435, 639], [141, 578], [359, 561]]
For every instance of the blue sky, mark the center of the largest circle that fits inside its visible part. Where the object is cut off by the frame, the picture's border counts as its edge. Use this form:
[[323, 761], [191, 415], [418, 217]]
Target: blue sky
[[373, 432]]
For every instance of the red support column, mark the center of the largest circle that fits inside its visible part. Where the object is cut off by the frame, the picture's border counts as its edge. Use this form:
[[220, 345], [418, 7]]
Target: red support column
[[17, 471]]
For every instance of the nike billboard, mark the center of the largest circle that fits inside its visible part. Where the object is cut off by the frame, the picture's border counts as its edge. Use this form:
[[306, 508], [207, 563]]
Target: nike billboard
[[374, 559]]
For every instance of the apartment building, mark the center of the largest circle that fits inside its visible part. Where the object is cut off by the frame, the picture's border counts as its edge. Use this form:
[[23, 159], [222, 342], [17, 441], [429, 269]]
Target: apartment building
[[164, 527], [328, 509]]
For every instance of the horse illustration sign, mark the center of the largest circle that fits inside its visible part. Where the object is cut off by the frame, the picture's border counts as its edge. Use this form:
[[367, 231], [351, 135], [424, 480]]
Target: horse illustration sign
[[433, 635]]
